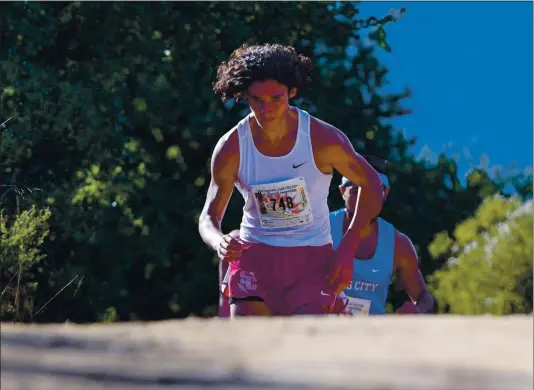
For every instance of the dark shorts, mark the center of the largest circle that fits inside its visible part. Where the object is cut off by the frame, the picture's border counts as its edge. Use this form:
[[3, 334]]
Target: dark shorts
[[285, 278], [224, 304]]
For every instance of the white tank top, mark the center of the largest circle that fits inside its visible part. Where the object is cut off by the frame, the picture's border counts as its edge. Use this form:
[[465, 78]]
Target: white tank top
[[285, 197]]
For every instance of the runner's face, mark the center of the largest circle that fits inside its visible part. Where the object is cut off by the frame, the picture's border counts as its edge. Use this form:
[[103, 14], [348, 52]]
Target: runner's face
[[350, 195], [269, 101]]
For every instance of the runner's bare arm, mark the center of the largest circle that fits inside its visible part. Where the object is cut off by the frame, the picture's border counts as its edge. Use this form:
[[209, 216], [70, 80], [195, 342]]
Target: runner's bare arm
[[224, 168], [333, 150], [410, 277], [336, 152]]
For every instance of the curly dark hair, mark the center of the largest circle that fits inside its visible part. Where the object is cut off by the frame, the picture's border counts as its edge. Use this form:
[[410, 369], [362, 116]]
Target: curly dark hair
[[251, 63]]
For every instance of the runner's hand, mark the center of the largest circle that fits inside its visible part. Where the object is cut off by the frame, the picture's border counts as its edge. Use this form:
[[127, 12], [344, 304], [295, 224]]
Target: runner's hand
[[408, 308], [338, 280], [231, 248], [341, 272]]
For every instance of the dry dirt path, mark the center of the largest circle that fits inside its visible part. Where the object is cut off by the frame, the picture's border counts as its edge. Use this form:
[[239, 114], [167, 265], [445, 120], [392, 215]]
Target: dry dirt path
[[379, 353]]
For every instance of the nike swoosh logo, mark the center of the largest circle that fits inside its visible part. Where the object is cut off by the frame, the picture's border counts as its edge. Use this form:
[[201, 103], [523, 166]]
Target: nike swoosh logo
[[296, 166], [326, 295], [375, 270]]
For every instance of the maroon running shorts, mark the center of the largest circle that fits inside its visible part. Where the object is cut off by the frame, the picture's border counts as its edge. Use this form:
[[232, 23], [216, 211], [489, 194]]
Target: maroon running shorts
[[285, 278]]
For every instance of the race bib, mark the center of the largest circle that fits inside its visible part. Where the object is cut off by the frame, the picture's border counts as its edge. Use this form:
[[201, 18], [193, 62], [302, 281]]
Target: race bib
[[357, 306], [283, 204]]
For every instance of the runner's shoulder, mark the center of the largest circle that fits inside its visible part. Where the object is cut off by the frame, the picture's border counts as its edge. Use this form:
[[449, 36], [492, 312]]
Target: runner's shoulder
[[228, 144], [401, 238], [405, 249], [226, 152], [325, 132]]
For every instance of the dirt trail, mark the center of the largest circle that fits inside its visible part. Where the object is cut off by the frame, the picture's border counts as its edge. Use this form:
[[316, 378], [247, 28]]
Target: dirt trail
[[412, 353]]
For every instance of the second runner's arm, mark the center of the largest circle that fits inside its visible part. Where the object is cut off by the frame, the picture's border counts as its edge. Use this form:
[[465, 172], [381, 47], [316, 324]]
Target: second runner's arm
[[410, 277]]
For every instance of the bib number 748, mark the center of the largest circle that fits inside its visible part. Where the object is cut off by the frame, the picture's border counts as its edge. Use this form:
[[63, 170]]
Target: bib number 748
[[282, 205]]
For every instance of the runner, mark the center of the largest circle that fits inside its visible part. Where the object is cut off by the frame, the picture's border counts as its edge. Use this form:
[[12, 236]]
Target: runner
[[382, 251], [281, 160]]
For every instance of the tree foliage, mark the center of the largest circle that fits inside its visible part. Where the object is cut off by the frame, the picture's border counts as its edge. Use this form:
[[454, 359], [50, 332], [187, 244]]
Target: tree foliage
[[489, 260], [21, 238]]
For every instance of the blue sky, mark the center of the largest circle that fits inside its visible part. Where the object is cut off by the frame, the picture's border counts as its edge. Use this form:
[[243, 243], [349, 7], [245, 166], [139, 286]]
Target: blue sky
[[469, 66]]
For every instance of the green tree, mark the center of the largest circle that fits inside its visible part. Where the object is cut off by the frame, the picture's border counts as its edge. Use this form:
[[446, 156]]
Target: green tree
[[21, 238], [489, 261]]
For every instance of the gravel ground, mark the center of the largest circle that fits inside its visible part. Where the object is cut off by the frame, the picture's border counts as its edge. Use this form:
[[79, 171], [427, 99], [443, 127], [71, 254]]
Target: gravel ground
[[312, 353]]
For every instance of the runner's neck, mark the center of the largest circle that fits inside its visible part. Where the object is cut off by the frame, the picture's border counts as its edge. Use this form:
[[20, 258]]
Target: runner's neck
[[279, 130]]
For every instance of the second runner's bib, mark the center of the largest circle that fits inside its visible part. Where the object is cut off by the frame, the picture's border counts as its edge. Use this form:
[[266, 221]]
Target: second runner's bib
[[358, 307]]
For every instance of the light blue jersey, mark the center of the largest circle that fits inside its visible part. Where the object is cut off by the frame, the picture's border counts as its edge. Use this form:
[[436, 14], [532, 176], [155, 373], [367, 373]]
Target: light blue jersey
[[368, 291]]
